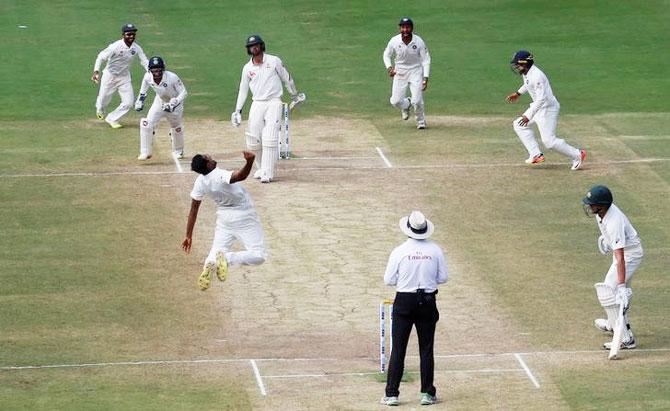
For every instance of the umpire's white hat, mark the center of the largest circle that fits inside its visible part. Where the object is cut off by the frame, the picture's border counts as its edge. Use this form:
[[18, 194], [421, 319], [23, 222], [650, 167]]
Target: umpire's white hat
[[416, 226]]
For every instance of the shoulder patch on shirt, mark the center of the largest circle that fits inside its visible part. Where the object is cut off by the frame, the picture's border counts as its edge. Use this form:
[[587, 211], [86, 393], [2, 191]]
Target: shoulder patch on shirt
[[132, 52]]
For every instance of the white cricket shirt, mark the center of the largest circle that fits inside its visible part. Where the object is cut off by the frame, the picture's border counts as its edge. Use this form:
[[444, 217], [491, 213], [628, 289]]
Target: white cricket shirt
[[170, 87], [536, 83], [617, 230], [407, 56], [216, 185], [119, 56], [416, 264], [264, 80]]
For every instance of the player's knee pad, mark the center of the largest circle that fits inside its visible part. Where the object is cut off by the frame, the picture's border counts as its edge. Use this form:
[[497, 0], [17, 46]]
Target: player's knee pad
[[177, 137], [396, 101], [146, 137]]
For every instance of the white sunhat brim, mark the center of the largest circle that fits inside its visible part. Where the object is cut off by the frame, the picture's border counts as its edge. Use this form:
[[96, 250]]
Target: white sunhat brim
[[417, 236]]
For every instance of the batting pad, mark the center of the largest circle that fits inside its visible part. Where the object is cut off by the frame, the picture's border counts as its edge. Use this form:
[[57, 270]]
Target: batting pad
[[177, 137], [608, 302], [146, 138]]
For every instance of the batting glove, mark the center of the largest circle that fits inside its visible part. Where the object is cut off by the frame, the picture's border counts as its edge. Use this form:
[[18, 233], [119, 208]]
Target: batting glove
[[236, 118], [623, 294], [168, 107], [603, 247]]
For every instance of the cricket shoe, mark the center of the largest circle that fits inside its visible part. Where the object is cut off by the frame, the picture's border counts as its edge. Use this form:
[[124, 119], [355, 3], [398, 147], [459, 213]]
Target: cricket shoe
[[421, 125], [257, 174], [114, 124], [427, 399], [603, 325], [535, 160], [391, 401], [577, 164], [143, 157], [625, 345], [205, 279], [99, 115], [178, 154], [265, 178], [404, 113], [221, 266]]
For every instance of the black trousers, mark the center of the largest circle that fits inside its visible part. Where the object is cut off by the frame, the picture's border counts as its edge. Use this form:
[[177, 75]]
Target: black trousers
[[418, 309]]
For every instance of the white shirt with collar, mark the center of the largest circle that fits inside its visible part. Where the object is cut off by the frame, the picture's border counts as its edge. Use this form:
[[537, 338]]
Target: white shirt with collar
[[216, 185], [264, 80], [618, 231], [536, 83], [119, 56], [407, 56], [170, 87], [416, 264]]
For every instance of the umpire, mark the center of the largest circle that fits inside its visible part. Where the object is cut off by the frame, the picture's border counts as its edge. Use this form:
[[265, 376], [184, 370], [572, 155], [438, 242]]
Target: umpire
[[415, 267]]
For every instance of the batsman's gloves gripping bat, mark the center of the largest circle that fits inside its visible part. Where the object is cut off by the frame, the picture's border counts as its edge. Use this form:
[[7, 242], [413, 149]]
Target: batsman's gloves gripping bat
[[296, 100], [236, 118], [173, 104], [139, 103], [623, 295]]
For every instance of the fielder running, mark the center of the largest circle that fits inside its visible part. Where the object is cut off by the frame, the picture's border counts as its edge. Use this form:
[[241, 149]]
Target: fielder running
[[116, 75], [407, 61], [236, 218], [168, 103], [620, 238], [543, 110], [263, 75]]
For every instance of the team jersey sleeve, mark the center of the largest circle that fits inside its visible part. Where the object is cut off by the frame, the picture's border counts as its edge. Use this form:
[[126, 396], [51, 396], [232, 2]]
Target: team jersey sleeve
[[617, 234], [243, 91], [391, 273], [180, 89], [144, 87], [523, 89], [425, 59], [143, 58], [388, 55], [103, 56], [285, 76], [540, 84], [198, 192]]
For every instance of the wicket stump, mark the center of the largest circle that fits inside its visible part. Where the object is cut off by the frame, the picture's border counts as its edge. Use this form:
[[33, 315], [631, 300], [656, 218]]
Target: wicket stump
[[285, 143], [382, 332]]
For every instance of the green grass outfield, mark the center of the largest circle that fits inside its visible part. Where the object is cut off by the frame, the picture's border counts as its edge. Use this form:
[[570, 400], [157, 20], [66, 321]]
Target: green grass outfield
[[76, 287]]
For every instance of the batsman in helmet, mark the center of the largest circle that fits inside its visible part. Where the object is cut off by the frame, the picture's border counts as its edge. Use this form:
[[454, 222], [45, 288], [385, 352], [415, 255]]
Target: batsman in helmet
[[619, 237], [168, 103], [407, 61], [263, 74], [543, 111]]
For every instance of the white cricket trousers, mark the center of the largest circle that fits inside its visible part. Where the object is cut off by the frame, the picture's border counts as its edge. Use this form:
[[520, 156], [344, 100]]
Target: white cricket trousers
[[238, 224], [412, 78], [109, 84], [546, 120], [263, 133]]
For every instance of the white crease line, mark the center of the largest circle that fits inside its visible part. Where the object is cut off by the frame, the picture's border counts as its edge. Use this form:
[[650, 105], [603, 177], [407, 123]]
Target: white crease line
[[177, 163], [386, 160], [409, 167], [259, 380], [528, 372], [225, 360], [347, 374]]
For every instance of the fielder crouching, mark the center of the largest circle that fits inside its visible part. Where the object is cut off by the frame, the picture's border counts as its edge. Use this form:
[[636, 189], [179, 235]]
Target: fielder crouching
[[168, 103]]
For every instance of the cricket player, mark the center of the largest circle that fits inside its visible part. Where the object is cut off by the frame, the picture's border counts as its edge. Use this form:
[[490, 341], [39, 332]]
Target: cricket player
[[168, 103], [543, 111], [116, 75], [619, 237], [263, 75], [415, 268], [407, 61], [236, 218]]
